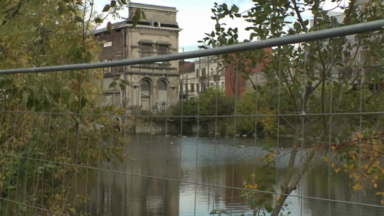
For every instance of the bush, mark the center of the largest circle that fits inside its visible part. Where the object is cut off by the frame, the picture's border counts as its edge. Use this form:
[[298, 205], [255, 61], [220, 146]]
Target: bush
[[210, 103]]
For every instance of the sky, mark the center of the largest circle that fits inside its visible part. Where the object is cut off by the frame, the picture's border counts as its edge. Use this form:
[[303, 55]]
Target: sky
[[194, 18]]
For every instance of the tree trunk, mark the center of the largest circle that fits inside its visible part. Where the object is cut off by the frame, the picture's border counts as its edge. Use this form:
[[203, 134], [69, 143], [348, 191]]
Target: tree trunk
[[279, 205], [285, 189]]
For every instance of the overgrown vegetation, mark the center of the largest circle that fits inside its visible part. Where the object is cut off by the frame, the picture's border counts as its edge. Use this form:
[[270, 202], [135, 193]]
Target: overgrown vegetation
[[311, 80], [212, 103], [53, 130]]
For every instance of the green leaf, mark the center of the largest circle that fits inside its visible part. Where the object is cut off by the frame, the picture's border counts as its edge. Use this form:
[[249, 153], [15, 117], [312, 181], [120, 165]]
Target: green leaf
[[5, 85], [50, 166], [297, 27], [11, 187], [113, 3], [143, 15], [109, 26], [112, 85], [72, 210], [24, 97], [268, 208], [61, 9], [79, 19], [98, 20], [106, 8], [125, 82]]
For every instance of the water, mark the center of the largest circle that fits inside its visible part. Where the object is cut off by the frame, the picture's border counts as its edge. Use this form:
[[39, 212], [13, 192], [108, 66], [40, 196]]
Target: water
[[175, 163]]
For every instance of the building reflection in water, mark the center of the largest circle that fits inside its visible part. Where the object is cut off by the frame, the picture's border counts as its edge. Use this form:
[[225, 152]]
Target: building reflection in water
[[161, 180]]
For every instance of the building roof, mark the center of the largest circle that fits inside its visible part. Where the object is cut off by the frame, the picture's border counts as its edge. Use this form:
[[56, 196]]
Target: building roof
[[143, 24], [124, 24], [185, 67], [116, 25], [152, 7]]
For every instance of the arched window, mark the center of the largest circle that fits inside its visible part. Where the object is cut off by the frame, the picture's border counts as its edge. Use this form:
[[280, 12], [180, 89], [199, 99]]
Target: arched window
[[145, 89], [162, 91]]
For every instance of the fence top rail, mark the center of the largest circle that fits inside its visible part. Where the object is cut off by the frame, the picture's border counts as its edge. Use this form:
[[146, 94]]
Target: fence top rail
[[312, 36]]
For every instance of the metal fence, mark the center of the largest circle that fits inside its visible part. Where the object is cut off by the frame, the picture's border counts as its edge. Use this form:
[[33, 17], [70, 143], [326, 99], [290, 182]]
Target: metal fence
[[306, 140]]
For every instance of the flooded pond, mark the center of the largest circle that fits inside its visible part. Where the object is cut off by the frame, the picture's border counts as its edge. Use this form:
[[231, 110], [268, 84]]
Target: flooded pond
[[161, 180]]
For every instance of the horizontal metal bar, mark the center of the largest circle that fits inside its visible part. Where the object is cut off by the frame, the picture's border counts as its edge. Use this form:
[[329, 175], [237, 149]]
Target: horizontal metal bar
[[312, 36], [200, 116]]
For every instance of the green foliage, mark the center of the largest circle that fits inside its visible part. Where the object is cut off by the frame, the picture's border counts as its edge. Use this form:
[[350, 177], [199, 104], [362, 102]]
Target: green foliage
[[246, 105], [320, 77], [210, 103], [52, 125], [10, 10]]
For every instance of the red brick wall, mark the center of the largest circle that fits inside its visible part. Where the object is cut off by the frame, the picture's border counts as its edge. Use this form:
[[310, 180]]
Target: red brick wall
[[234, 82]]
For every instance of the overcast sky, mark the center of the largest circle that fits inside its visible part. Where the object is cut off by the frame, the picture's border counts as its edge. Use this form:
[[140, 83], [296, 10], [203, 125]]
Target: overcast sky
[[194, 17]]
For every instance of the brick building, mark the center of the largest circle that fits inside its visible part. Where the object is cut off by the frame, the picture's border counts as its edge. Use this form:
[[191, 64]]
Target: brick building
[[152, 87], [235, 83]]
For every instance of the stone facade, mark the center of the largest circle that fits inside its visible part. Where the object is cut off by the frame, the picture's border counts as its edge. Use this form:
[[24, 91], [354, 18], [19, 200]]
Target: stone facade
[[207, 72], [152, 87]]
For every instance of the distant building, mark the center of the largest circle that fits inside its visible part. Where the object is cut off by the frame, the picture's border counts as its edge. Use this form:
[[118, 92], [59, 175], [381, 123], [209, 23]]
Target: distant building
[[152, 87], [197, 76], [210, 72], [187, 80], [359, 55], [235, 81]]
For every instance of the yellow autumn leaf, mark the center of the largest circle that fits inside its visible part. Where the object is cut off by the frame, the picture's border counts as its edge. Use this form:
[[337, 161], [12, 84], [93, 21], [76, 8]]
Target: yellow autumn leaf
[[382, 202], [375, 185], [325, 160], [357, 187]]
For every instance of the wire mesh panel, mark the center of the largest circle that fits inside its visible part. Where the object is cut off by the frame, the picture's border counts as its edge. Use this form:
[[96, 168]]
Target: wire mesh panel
[[250, 130], [55, 135]]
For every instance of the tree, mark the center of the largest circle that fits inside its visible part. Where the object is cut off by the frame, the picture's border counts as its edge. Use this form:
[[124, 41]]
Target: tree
[[322, 77], [13, 9], [54, 130], [246, 105], [210, 103]]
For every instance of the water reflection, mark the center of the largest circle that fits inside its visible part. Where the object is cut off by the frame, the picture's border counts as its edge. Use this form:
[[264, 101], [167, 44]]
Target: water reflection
[[175, 163]]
